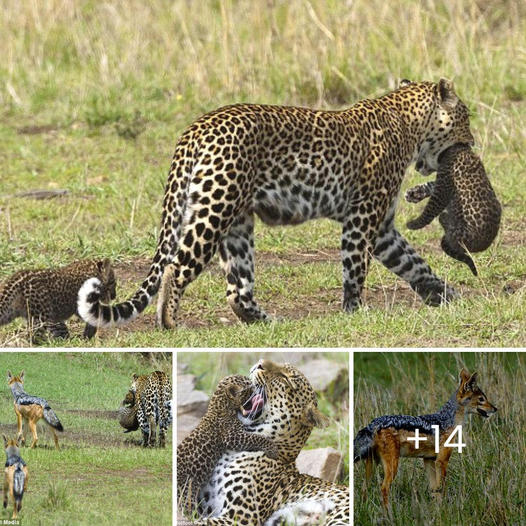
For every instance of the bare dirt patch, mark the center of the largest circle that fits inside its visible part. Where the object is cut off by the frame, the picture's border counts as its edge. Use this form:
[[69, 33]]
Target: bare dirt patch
[[327, 300], [36, 129], [109, 415]]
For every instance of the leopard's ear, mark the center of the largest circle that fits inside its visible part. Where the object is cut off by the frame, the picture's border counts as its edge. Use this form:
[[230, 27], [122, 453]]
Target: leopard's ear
[[447, 97], [135, 376], [106, 268], [404, 83], [312, 416], [233, 391]]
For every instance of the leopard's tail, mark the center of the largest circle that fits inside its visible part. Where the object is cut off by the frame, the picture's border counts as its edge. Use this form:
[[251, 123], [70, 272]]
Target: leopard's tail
[[89, 305]]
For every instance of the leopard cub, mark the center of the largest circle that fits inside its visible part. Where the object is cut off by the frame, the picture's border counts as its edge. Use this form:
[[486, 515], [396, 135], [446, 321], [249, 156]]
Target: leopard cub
[[218, 431], [463, 196], [46, 298]]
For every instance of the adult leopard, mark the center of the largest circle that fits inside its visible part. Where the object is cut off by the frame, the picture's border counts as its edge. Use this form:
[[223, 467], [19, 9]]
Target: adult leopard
[[288, 165], [249, 488], [152, 404]]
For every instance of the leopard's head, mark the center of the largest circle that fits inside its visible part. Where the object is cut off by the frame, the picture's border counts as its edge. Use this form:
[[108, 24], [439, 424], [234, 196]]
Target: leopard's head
[[283, 407], [448, 125]]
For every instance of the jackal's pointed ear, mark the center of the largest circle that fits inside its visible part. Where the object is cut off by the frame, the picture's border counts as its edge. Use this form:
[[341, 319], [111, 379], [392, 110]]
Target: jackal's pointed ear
[[312, 416], [22, 375], [472, 381], [9, 375], [446, 94], [464, 376], [5, 441]]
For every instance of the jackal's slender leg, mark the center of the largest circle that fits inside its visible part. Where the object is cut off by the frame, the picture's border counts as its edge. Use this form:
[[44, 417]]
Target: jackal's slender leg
[[6, 489], [55, 437], [33, 429], [441, 467], [19, 431], [389, 453], [430, 467]]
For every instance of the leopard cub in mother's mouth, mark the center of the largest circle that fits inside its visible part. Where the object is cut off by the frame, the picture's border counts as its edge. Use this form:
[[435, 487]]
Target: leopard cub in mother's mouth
[[463, 196]]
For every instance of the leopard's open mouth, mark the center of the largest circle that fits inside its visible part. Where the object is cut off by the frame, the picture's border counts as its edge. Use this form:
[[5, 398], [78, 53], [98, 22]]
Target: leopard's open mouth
[[254, 406]]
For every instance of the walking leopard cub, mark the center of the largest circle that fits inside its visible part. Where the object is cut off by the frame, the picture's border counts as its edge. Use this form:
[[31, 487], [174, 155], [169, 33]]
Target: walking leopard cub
[[468, 207], [46, 298], [218, 431]]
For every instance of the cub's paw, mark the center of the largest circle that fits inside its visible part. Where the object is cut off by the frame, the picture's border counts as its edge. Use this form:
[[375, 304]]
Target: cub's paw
[[416, 194], [414, 224], [272, 452]]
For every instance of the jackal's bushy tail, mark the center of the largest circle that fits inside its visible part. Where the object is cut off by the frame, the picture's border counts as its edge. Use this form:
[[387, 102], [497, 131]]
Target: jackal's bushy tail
[[363, 443], [52, 419], [18, 486]]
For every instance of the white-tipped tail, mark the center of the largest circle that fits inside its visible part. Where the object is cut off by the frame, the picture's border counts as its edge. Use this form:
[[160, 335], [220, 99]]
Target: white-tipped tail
[[92, 311]]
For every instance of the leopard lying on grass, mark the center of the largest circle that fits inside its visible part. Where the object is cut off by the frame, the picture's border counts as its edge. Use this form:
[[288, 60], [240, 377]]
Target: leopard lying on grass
[[218, 431], [249, 488]]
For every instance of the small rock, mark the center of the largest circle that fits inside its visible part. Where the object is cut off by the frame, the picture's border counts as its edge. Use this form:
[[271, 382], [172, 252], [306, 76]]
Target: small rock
[[324, 463], [508, 289], [190, 400], [321, 373]]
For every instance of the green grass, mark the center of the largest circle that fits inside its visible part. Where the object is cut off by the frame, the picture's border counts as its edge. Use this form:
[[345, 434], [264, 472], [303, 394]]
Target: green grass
[[209, 368], [99, 474], [486, 483], [94, 95]]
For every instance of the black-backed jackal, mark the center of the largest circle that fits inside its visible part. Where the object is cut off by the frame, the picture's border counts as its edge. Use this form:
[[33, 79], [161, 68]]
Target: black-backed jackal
[[15, 475], [31, 408], [387, 438]]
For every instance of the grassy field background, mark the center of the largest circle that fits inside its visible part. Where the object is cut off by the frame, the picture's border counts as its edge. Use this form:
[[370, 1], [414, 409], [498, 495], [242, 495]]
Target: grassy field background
[[210, 368], [486, 484], [99, 475], [93, 96]]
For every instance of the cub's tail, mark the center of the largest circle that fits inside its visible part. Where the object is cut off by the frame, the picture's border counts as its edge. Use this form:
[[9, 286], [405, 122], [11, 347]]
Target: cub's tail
[[363, 443], [52, 419], [19, 478]]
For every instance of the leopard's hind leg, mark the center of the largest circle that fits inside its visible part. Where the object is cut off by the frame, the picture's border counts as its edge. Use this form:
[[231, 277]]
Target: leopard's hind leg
[[237, 260], [209, 215]]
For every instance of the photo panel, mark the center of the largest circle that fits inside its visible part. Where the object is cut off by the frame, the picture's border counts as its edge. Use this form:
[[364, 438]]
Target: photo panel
[[88, 437], [263, 436], [438, 436]]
